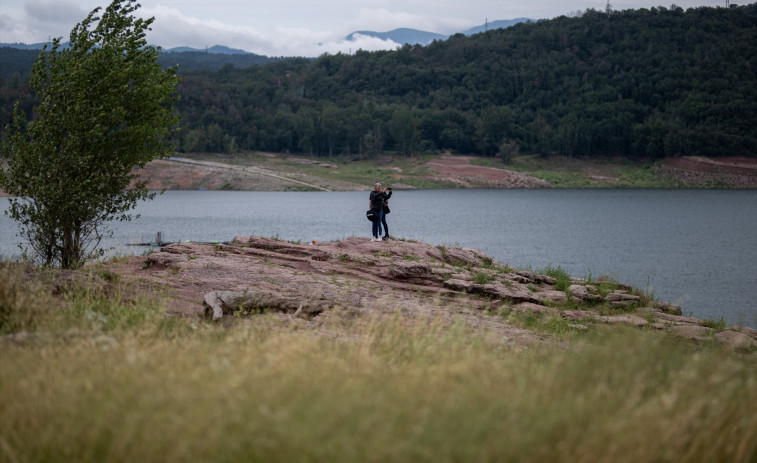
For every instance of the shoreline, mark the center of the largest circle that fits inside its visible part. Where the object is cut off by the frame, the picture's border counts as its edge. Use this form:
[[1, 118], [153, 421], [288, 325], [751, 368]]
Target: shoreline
[[282, 172], [279, 172]]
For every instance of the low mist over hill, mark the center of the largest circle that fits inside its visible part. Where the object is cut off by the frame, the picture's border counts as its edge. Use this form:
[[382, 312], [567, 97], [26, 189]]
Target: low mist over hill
[[409, 36]]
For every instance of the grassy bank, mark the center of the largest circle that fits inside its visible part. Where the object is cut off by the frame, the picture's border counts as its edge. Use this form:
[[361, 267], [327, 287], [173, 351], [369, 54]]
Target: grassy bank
[[413, 171], [340, 172], [564, 172], [103, 375]]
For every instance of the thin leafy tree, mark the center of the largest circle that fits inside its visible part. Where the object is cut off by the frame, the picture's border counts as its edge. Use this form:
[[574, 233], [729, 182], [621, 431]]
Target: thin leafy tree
[[104, 108]]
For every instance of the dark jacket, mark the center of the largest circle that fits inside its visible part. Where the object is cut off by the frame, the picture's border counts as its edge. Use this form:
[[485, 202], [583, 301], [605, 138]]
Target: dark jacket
[[377, 200], [387, 195]]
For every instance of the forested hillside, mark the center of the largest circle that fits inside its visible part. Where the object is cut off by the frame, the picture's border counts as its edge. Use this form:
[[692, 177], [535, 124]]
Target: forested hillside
[[637, 83]]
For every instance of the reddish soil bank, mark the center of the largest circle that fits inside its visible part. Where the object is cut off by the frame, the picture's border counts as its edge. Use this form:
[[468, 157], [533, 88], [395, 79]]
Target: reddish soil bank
[[732, 172], [459, 170]]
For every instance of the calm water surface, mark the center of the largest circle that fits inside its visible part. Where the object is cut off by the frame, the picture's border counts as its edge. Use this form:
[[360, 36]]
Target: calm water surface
[[692, 247]]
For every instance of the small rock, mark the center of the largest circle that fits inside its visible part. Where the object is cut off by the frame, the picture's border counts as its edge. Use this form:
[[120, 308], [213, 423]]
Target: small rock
[[547, 280], [462, 255], [162, 259], [576, 326], [581, 293], [677, 319], [575, 315], [514, 292], [621, 296], [578, 291], [628, 319], [518, 279], [535, 308], [736, 340], [751, 332], [621, 304], [669, 308], [696, 332], [552, 296], [214, 302], [648, 310], [408, 269], [525, 274], [459, 285]]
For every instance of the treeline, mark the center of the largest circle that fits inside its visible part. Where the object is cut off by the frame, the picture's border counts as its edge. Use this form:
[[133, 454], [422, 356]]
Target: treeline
[[638, 83], [200, 60], [16, 63]]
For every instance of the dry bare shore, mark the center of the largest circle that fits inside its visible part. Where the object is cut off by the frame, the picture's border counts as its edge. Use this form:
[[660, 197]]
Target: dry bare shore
[[272, 172], [311, 284], [278, 172], [266, 174]]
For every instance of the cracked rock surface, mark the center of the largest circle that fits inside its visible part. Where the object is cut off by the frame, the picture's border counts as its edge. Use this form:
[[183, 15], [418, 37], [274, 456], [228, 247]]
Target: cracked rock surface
[[355, 277]]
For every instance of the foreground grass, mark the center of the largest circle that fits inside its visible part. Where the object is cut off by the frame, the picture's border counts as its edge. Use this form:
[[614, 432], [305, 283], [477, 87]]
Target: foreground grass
[[109, 378]]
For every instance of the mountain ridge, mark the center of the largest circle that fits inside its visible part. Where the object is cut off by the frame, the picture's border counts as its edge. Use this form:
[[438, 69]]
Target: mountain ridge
[[401, 36], [405, 35]]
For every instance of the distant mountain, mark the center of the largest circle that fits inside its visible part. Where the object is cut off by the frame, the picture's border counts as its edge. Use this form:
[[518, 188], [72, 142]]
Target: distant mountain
[[406, 35], [25, 46], [19, 58], [499, 24], [215, 49], [401, 36]]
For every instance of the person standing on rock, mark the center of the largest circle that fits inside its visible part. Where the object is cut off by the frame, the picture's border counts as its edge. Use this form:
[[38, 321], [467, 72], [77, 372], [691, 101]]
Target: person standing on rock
[[376, 203], [387, 194]]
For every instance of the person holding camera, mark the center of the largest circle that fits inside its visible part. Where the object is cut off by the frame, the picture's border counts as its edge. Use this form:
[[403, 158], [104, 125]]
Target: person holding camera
[[377, 203], [385, 210]]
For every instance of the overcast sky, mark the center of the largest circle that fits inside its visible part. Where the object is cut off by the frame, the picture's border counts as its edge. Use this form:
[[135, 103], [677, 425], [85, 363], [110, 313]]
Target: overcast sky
[[293, 27]]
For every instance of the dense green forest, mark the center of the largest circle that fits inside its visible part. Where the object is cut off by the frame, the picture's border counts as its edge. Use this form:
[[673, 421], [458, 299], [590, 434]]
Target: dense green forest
[[641, 83]]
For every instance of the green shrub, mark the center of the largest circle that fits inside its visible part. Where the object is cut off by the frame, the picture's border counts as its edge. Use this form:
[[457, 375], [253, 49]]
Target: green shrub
[[483, 278], [558, 273]]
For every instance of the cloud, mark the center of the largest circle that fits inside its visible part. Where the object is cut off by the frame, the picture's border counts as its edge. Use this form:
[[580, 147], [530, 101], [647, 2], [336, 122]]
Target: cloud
[[383, 20], [37, 20], [63, 13], [172, 29]]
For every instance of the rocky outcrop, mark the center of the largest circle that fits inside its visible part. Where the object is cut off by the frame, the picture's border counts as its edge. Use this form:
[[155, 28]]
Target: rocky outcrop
[[255, 275]]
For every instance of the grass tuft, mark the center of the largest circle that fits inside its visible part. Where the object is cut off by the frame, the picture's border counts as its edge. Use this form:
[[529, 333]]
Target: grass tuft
[[22, 300], [558, 273], [483, 278]]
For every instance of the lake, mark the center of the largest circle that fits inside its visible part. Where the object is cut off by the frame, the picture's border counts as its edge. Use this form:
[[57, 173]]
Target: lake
[[696, 248]]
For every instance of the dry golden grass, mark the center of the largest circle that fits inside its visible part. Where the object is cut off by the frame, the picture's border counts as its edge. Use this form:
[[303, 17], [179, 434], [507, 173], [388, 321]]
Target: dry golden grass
[[111, 379]]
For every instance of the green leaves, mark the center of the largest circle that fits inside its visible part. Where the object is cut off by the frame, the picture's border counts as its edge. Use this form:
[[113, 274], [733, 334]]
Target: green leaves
[[104, 108]]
